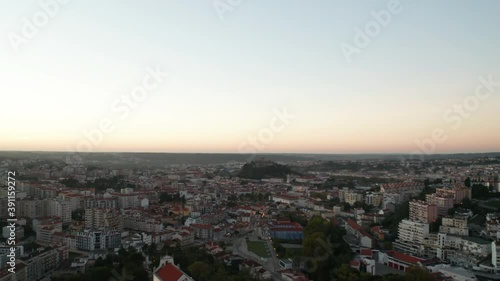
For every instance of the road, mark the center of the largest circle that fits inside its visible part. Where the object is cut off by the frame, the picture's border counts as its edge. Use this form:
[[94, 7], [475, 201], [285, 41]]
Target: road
[[240, 249]]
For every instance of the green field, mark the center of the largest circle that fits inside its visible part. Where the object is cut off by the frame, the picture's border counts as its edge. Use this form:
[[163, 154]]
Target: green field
[[259, 248]]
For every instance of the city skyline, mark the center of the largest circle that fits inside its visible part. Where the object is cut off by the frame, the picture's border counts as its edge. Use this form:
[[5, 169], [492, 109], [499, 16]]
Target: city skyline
[[223, 81]]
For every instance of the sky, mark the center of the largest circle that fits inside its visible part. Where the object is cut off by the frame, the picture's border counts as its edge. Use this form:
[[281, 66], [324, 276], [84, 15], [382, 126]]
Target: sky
[[250, 76]]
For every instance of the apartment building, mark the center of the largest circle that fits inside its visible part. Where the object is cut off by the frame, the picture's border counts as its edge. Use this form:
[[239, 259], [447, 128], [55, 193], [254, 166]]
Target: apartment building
[[45, 229], [411, 236], [96, 218], [102, 203], [457, 191], [75, 199], [423, 212], [90, 240], [45, 261], [454, 225], [59, 208], [137, 221], [44, 192], [374, 198], [391, 198], [31, 208], [462, 251], [184, 237], [352, 197], [443, 203], [203, 231], [20, 275], [19, 231]]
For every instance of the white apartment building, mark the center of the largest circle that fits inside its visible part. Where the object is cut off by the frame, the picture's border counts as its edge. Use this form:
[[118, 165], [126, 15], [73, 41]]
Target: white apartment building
[[374, 198], [391, 198], [103, 203], [96, 218], [455, 225], [411, 237], [90, 240], [60, 208]]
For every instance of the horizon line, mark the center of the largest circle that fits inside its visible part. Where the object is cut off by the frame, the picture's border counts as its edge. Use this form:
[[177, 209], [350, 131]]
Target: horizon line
[[261, 153]]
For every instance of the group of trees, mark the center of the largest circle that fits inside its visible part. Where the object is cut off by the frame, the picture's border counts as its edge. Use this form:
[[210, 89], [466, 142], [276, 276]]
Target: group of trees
[[391, 221], [202, 266], [100, 184], [255, 197], [323, 249], [166, 197], [482, 192], [259, 171], [295, 216], [115, 182], [78, 214]]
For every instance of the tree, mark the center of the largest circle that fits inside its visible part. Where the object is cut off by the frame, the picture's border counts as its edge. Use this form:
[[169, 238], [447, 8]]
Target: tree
[[346, 273], [78, 215], [419, 274], [467, 182]]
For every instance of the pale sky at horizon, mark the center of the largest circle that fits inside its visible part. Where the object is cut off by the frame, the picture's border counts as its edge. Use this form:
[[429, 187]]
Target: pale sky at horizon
[[227, 77]]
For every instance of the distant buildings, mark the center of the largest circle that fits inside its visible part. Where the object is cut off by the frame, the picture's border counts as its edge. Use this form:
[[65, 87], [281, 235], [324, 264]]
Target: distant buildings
[[284, 198], [350, 196], [405, 189]]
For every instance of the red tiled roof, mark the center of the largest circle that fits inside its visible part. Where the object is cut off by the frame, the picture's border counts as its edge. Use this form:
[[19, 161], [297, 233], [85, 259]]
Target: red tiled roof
[[404, 257], [366, 252], [353, 225], [169, 273], [201, 226], [290, 226]]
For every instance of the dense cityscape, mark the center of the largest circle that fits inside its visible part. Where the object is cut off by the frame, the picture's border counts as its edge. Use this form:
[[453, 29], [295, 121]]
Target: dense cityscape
[[116, 215], [233, 140]]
